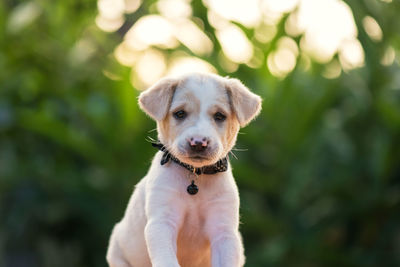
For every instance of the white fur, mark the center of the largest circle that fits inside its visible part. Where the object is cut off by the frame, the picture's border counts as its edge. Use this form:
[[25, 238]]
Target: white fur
[[163, 225]]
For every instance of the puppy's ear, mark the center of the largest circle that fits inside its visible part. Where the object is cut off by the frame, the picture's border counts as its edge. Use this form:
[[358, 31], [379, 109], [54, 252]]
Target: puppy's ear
[[245, 104], [156, 100]]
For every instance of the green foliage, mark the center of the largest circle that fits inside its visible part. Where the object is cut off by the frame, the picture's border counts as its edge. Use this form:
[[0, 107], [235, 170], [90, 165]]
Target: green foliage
[[319, 181]]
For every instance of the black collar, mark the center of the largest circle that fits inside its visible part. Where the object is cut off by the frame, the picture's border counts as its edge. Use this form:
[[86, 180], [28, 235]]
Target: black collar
[[220, 166]]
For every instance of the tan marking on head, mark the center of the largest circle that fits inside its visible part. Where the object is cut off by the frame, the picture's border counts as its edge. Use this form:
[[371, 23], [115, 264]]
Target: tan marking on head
[[169, 128], [184, 99]]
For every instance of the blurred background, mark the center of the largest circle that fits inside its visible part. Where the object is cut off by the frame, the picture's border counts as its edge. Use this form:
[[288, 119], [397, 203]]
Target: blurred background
[[318, 171]]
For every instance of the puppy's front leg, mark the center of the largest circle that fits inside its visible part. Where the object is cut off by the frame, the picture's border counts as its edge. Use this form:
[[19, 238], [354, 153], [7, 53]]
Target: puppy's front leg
[[222, 229], [164, 216], [227, 250]]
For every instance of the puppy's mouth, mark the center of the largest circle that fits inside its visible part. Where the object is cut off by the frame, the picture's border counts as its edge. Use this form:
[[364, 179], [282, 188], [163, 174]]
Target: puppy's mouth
[[198, 158]]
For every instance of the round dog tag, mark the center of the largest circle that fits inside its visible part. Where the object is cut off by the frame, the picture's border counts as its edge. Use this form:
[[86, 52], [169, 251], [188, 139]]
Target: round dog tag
[[192, 189]]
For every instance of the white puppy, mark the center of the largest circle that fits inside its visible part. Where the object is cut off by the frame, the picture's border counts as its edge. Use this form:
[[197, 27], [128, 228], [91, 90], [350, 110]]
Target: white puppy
[[185, 211]]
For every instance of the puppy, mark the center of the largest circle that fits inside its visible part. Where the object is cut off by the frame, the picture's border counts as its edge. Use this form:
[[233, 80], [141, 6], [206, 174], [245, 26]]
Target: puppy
[[185, 211]]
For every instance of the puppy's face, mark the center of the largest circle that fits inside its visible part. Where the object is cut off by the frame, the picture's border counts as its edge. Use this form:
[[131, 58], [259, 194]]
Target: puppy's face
[[200, 127], [199, 115]]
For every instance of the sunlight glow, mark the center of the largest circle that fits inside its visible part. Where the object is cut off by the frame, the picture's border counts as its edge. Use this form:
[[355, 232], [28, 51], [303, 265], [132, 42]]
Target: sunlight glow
[[151, 30], [227, 64], [174, 8], [278, 6], [235, 44], [217, 21], [291, 25], [283, 60], [246, 12], [323, 32], [109, 25], [111, 9], [351, 54], [325, 28], [149, 68], [132, 5], [111, 13], [389, 57], [265, 32], [289, 43], [186, 64], [372, 28], [189, 34], [125, 55]]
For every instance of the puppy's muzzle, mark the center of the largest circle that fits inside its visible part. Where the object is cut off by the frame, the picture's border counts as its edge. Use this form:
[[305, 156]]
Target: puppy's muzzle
[[198, 144]]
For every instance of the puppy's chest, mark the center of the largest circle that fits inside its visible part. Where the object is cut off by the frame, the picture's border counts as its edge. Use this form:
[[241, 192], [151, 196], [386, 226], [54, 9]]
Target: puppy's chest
[[196, 209], [193, 244], [194, 220]]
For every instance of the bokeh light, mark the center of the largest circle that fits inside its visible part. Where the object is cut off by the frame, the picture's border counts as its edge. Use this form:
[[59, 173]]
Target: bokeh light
[[149, 68], [372, 28], [323, 32], [389, 56], [151, 30], [283, 60], [235, 44], [246, 12], [313, 22], [191, 36], [22, 16], [182, 64], [174, 9]]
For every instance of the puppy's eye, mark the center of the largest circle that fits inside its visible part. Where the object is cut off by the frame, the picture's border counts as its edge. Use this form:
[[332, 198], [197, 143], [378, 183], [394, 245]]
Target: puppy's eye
[[219, 117], [180, 115]]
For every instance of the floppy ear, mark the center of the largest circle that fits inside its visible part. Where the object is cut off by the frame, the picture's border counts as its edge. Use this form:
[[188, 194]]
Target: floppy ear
[[156, 100], [245, 104]]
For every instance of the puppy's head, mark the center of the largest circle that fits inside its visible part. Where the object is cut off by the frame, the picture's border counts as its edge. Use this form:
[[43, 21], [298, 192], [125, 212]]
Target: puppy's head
[[199, 115]]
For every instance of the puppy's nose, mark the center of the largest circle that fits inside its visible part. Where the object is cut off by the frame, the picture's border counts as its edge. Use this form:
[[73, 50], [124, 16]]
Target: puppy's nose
[[198, 144]]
